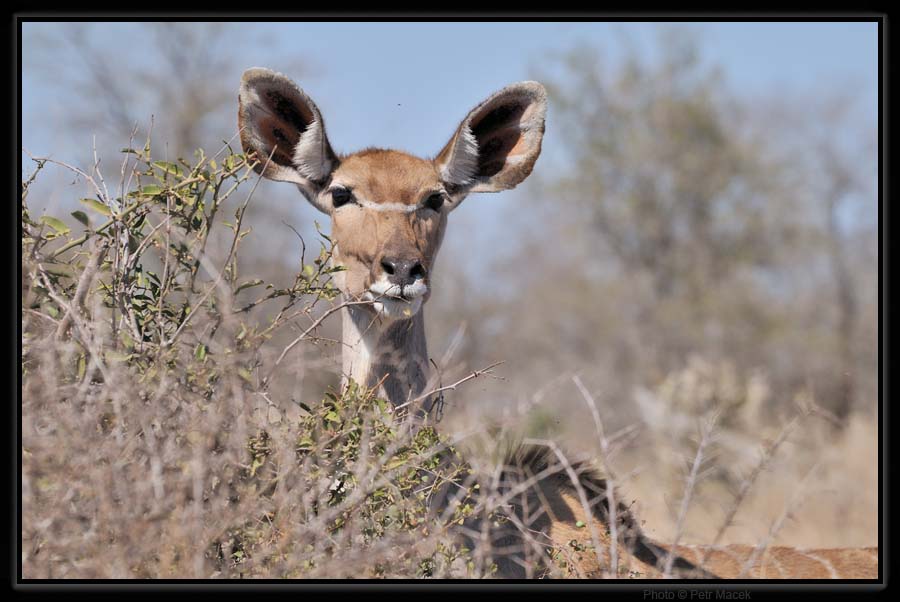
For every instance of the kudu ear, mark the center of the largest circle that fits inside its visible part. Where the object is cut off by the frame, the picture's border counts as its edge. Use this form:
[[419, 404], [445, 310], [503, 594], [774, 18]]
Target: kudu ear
[[277, 118], [496, 145]]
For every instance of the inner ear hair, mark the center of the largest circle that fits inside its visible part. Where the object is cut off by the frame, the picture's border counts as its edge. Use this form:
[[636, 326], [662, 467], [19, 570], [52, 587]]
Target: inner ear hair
[[276, 115], [496, 145], [498, 133]]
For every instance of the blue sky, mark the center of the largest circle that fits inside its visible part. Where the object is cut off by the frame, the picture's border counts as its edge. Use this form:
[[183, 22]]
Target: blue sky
[[407, 85]]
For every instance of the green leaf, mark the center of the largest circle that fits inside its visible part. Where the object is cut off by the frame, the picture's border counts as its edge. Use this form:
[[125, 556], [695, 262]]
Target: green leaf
[[115, 356], [96, 206], [319, 230], [58, 225], [151, 190], [82, 366], [82, 217], [169, 168], [395, 463], [200, 353]]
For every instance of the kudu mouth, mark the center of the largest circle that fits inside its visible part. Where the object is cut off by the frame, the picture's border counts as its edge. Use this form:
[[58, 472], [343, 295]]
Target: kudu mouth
[[396, 301]]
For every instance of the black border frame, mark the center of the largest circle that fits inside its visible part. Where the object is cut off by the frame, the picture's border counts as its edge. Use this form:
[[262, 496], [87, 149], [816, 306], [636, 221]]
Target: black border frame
[[649, 590]]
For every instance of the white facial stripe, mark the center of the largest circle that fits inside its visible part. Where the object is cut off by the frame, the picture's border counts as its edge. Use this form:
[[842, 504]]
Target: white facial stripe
[[396, 207], [387, 207]]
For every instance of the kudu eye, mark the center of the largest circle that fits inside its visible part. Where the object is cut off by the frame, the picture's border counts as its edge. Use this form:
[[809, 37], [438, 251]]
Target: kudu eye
[[435, 201], [340, 196]]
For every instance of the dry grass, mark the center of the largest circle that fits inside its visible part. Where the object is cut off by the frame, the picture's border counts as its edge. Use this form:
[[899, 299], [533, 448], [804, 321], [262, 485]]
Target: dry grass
[[771, 453], [766, 451], [167, 431], [158, 437], [162, 433]]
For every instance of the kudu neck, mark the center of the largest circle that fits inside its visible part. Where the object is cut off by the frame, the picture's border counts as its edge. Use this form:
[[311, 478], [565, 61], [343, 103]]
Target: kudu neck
[[392, 352]]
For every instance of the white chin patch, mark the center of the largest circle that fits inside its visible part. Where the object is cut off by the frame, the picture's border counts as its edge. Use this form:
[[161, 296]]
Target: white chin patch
[[388, 302], [397, 309]]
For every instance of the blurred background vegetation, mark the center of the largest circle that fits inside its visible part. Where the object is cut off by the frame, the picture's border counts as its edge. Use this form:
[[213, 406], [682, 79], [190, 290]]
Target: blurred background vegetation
[[682, 249]]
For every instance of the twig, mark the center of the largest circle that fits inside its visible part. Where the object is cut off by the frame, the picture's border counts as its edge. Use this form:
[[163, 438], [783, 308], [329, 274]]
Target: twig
[[30, 180], [474, 374], [764, 460], [81, 291], [218, 279], [82, 239], [610, 495], [705, 438], [777, 524], [576, 483], [93, 352], [303, 335]]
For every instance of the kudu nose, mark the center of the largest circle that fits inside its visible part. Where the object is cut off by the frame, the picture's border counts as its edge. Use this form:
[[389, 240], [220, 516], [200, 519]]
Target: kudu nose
[[402, 271]]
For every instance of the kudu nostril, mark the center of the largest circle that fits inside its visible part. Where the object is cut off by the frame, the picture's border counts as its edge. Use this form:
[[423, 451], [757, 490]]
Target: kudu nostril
[[417, 271], [389, 266], [403, 271]]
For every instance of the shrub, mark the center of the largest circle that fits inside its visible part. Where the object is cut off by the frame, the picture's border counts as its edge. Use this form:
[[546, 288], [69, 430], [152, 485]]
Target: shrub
[[152, 445]]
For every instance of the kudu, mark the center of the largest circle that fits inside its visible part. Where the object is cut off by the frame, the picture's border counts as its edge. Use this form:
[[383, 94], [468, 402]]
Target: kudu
[[388, 214]]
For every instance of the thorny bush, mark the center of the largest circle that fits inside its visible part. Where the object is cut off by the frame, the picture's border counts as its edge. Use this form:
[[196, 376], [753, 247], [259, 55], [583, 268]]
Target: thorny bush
[[152, 442]]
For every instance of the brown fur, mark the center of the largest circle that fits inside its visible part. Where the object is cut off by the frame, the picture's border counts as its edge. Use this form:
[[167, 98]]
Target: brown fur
[[364, 236], [499, 141], [642, 558]]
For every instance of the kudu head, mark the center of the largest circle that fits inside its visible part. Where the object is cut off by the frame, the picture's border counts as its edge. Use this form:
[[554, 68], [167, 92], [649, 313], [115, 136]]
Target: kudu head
[[388, 209]]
